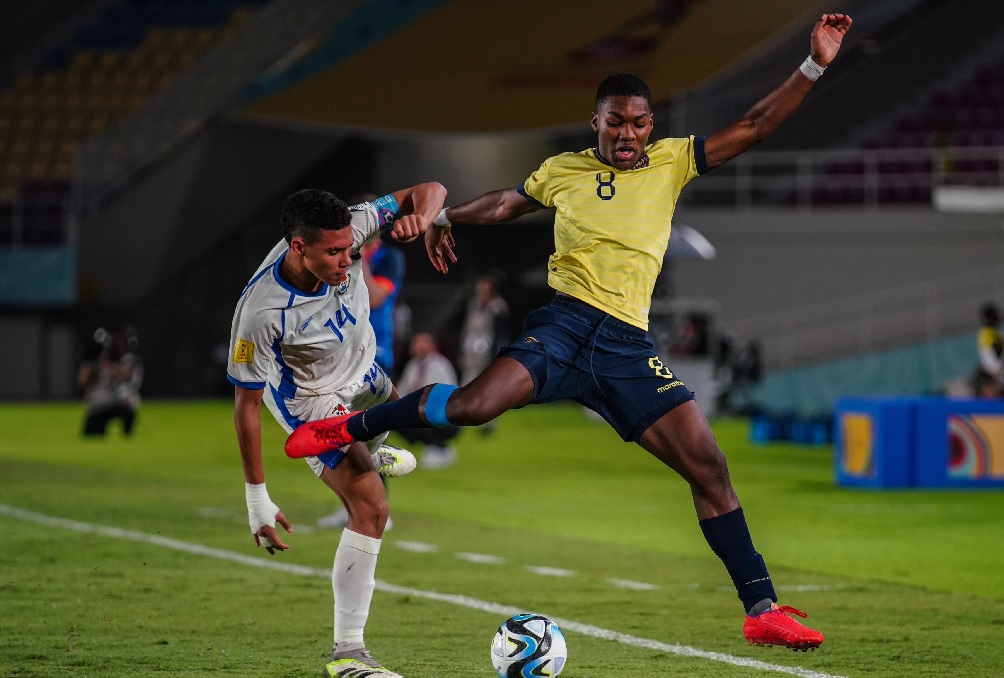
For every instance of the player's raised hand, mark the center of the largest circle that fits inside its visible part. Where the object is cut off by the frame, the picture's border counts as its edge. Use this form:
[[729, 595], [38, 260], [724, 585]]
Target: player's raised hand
[[439, 244], [409, 227], [827, 35]]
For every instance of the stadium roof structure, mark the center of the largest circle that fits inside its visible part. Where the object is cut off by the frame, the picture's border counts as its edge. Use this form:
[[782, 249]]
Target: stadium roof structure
[[475, 66]]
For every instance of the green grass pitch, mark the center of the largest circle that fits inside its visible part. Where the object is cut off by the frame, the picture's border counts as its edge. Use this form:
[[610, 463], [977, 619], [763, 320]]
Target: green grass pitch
[[132, 557]]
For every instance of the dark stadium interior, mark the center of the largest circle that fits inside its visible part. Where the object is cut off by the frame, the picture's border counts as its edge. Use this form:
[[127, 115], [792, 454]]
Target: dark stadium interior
[[146, 147]]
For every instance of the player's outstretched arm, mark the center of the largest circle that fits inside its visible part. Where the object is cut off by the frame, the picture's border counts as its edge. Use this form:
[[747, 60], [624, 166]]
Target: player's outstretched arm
[[419, 206], [495, 207], [262, 513], [767, 114]]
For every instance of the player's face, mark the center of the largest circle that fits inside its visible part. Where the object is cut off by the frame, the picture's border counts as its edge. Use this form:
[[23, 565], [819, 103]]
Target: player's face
[[622, 125], [329, 258]]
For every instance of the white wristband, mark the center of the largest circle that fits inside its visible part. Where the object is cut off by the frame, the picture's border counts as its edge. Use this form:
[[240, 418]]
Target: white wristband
[[261, 509], [811, 69], [441, 219]]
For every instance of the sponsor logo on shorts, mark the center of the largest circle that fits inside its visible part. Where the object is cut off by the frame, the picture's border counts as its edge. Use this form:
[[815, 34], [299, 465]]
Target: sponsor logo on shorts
[[666, 387], [662, 371]]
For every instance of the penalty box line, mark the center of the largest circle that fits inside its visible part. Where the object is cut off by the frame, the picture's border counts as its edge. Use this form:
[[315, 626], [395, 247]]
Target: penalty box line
[[453, 599]]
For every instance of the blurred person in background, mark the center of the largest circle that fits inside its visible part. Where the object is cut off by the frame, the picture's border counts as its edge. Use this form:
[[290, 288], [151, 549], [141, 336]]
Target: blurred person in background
[[428, 366], [990, 342], [383, 269], [485, 330], [110, 378]]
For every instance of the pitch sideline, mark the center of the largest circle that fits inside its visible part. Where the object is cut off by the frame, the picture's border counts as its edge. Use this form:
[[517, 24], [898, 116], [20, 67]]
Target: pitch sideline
[[453, 599]]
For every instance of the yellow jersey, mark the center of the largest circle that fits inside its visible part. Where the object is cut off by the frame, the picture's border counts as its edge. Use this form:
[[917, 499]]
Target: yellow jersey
[[611, 226]]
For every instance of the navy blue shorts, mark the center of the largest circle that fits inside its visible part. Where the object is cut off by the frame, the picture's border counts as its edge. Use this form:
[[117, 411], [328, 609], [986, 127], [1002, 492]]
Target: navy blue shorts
[[577, 352]]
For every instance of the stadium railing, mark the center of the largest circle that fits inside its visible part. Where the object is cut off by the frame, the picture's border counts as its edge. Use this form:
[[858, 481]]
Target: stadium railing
[[852, 177], [884, 319]]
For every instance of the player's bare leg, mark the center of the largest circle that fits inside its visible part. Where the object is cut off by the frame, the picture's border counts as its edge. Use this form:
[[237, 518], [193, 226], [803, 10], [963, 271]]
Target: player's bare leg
[[503, 385], [683, 440]]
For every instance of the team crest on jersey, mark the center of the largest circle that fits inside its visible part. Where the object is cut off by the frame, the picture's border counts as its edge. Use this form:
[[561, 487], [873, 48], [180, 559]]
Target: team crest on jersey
[[343, 286]]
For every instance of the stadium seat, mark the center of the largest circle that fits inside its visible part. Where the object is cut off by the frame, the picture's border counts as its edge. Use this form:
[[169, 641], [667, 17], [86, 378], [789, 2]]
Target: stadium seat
[[107, 69]]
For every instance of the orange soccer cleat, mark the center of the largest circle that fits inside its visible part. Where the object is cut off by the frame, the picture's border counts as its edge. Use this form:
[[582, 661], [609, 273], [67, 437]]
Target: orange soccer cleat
[[317, 437], [775, 627]]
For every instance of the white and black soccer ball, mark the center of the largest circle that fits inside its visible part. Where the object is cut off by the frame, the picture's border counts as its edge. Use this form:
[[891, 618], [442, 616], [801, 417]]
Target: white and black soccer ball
[[528, 646]]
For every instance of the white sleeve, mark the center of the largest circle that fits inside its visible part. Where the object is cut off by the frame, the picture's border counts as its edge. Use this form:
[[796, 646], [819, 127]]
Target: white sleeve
[[251, 338]]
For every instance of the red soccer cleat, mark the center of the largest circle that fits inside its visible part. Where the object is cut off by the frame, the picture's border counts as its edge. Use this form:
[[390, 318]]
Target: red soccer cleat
[[317, 437], [775, 627]]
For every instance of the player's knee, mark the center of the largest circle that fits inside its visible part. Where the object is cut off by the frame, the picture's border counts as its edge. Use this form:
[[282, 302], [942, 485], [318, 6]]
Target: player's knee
[[370, 507], [710, 469]]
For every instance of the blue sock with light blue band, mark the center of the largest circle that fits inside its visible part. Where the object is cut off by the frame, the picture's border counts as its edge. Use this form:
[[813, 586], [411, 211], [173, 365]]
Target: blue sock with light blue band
[[435, 404], [403, 413]]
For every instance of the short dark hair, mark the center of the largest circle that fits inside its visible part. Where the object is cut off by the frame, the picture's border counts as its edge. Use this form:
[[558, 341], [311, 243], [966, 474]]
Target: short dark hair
[[990, 314], [309, 211], [622, 85]]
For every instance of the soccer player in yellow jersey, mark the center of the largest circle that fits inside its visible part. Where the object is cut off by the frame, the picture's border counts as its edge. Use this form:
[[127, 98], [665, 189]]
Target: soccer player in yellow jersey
[[990, 344], [614, 206]]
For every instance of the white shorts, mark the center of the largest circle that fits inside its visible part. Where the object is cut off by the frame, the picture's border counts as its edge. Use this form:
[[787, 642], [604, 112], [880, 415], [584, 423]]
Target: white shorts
[[374, 389]]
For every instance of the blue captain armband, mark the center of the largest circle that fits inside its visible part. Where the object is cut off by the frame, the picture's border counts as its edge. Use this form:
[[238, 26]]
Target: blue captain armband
[[387, 211], [435, 404]]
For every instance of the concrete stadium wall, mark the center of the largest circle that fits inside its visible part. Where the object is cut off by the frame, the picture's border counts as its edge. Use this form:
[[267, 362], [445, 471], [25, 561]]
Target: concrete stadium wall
[[177, 248], [778, 267]]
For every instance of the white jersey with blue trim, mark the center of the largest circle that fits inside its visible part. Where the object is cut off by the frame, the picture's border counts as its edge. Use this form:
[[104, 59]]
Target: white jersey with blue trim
[[301, 344]]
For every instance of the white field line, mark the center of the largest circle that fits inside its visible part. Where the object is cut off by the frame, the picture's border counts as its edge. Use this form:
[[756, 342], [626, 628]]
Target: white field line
[[502, 611]]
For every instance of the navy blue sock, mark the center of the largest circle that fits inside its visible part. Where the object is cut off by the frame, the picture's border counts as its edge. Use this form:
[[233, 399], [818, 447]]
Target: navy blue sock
[[402, 413], [729, 538]]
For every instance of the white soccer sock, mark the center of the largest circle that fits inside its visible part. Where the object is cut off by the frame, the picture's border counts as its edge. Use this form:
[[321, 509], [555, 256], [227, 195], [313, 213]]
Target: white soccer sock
[[353, 580]]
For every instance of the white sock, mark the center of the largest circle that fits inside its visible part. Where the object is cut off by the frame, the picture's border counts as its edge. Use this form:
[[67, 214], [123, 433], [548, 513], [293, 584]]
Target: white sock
[[353, 580]]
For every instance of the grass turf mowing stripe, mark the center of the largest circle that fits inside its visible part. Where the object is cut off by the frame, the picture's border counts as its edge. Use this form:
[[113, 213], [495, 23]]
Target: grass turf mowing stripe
[[453, 599]]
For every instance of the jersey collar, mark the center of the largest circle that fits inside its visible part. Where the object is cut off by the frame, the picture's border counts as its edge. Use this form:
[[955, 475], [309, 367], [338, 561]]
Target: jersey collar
[[289, 288], [642, 161]]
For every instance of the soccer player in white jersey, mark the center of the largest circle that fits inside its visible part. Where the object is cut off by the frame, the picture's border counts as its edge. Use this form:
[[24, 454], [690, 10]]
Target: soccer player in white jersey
[[302, 342]]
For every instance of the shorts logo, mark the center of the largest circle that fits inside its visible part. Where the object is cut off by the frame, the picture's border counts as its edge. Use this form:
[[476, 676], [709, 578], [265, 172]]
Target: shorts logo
[[660, 369], [531, 340], [337, 410], [244, 351]]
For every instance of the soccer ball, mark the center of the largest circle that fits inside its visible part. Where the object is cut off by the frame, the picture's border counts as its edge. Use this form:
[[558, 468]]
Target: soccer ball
[[528, 645]]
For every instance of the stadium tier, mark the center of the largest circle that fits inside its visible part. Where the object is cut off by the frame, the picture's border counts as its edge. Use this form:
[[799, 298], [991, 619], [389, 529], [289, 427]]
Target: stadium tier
[[116, 116]]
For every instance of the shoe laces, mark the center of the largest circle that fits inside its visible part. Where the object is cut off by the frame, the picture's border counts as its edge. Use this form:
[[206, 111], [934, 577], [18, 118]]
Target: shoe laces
[[382, 458], [360, 654], [787, 609]]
